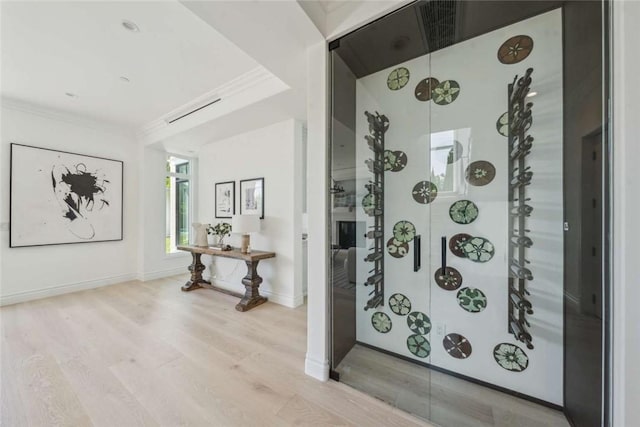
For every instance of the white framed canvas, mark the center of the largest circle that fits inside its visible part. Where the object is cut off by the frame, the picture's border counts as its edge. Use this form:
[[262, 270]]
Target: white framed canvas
[[252, 197], [57, 197], [225, 199]]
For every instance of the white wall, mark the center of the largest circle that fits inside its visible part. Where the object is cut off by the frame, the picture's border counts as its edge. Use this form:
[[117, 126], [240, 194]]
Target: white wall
[[35, 272], [626, 205], [275, 153]]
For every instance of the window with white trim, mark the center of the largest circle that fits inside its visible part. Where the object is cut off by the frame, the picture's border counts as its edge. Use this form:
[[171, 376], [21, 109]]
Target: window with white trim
[[178, 187]]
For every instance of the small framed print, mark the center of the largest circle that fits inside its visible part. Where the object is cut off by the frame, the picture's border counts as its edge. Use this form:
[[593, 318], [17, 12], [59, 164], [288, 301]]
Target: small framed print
[[252, 197], [225, 200]]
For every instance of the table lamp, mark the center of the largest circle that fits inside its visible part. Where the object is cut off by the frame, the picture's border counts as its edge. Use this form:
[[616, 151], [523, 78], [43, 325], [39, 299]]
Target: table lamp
[[245, 224]]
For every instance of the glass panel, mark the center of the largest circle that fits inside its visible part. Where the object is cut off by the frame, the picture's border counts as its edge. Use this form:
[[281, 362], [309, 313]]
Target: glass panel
[[483, 215], [381, 190]]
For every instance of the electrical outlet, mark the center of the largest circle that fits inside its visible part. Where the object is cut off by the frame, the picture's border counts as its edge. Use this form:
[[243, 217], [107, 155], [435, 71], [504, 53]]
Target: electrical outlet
[[4, 226], [441, 329]]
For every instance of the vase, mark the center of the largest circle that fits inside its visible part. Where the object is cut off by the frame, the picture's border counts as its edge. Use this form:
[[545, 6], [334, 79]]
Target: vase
[[200, 234], [221, 240]]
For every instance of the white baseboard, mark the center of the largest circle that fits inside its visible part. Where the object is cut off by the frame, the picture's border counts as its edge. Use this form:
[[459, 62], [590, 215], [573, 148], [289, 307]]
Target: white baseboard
[[316, 369], [291, 301], [160, 274], [63, 289]]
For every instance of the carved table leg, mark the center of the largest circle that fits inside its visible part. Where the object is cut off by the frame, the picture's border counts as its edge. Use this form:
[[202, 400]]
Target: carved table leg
[[251, 282], [196, 268]]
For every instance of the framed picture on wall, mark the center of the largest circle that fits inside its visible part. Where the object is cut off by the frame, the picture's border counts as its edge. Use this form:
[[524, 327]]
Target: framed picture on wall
[[57, 197], [252, 197], [225, 199]]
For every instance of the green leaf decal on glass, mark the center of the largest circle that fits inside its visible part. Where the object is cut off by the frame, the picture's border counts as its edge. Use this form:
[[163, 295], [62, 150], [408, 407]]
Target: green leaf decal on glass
[[446, 92], [404, 231], [419, 323], [398, 78], [419, 345], [381, 322], [463, 212], [478, 249], [510, 357], [471, 299], [399, 304]]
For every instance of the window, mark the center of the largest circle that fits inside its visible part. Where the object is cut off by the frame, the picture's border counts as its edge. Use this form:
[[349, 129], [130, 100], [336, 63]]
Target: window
[[446, 149], [178, 198]]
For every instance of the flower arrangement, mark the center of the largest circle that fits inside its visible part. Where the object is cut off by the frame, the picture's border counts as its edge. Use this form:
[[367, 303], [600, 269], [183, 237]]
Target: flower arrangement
[[221, 230]]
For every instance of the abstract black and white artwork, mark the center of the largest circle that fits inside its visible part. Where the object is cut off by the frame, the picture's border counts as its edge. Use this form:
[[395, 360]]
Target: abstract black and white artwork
[[59, 197]]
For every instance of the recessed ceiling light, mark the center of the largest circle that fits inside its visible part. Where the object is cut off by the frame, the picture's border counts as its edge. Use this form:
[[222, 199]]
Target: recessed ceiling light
[[532, 94], [71, 95], [131, 26], [124, 79]]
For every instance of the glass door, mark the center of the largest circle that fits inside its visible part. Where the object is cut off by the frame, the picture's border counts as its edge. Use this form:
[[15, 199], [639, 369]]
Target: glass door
[[466, 151], [381, 192]]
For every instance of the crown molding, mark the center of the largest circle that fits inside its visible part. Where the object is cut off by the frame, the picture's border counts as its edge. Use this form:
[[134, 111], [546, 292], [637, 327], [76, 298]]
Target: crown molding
[[233, 95], [62, 116]]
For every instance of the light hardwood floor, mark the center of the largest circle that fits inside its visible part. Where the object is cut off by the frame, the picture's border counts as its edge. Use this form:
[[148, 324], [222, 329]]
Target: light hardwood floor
[[148, 354], [440, 398]]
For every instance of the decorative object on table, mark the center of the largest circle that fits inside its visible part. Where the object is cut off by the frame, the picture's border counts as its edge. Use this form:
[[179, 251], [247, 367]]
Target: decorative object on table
[[419, 323], [225, 199], [245, 224], [200, 234], [450, 280], [252, 197], [418, 345], [480, 173], [456, 244], [424, 192], [399, 304], [463, 212], [220, 230], [478, 249], [446, 92], [424, 88], [510, 357], [396, 248], [58, 197], [515, 50], [398, 78], [472, 300], [381, 322], [457, 346]]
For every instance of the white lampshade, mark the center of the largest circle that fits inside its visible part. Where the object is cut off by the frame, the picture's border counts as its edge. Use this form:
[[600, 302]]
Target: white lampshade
[[244, 224]]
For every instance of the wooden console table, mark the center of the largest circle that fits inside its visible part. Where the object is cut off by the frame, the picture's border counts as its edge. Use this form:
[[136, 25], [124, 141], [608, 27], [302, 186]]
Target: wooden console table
[[251, 281]]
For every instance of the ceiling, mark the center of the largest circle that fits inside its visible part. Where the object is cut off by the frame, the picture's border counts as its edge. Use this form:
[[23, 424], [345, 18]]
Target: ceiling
[[427, 26], [51, 48]]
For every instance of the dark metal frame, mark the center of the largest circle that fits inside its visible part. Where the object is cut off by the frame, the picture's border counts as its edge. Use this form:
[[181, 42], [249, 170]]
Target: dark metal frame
[[520, 176], [378, 125], [215, 197], [263, 194]]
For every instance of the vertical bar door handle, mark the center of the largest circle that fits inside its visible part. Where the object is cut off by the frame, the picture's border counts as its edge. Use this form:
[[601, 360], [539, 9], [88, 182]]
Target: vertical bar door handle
[[443, 249], [417, 256]]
